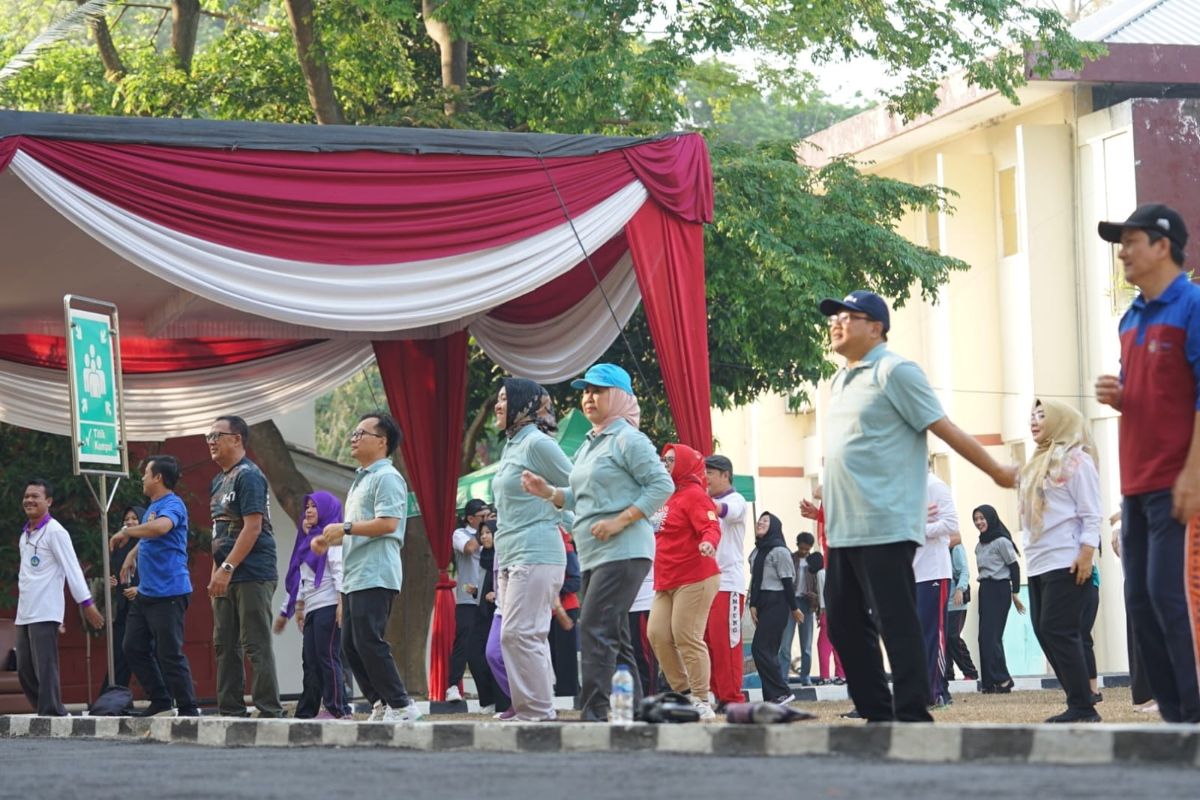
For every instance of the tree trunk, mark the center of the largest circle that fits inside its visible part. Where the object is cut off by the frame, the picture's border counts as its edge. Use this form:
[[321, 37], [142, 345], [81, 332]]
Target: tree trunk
[[185, 21], [472, 435], [453, 53], [272, 455], [412, 610], [313, 63], [114, 69]]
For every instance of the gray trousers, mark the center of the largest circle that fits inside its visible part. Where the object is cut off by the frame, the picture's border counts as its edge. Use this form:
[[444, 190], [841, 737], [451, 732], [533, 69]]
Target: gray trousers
[[37, 667], [604, 639]]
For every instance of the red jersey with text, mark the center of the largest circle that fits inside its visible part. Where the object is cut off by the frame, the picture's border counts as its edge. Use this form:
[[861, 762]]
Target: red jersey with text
[[1160, 375]]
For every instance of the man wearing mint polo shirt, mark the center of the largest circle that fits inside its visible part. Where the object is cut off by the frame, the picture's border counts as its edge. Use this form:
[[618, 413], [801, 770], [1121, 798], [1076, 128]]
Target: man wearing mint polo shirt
[[371, 538], [164, 591], [875, 507]]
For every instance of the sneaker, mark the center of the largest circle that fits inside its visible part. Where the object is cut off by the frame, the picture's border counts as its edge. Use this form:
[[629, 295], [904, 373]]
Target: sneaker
[[706, 712], [324, 715], [488, 709], [377, 712], [408, 713], [158, 710], [1075, 715], [453, 695], [189, 712], [851, 714], [783, 701], [506, 715], [1148, 708], [838, 681]]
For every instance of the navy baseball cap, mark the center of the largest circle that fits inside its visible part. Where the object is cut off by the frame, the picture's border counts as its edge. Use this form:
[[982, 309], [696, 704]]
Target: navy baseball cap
[[605, 375], [862, 301], [1149, 217]]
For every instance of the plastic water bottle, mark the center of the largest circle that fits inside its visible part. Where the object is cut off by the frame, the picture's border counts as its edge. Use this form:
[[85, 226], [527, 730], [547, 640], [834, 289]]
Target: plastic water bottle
[[621, 697]]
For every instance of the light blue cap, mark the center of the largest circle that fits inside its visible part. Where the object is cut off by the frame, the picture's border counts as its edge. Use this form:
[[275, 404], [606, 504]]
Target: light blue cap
[[605, 375]]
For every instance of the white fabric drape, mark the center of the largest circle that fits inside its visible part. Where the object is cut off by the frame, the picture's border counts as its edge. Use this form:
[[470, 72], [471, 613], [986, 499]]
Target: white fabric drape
[[564, 347], [385, 297], [163, 405]]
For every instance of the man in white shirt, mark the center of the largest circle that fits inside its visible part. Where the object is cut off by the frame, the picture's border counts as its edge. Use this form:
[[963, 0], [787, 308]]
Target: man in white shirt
[[933, 569], [723, 634], [47, 561], [466, 593]]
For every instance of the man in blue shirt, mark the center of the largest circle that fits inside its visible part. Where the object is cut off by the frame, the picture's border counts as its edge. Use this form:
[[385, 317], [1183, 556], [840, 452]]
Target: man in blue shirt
[[164, 589], [875, 500]]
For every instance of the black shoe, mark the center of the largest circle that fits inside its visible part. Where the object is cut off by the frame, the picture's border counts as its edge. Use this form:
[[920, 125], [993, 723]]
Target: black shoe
[[1004, 688], [851, 714], [189, 712], [156, 709], [1097, 697], [1076, 715], [971, 677]]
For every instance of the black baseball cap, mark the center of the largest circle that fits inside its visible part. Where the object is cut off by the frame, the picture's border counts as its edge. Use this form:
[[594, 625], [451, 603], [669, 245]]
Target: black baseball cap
[[719, 463], [862, 301], [474, 506], [1149, 217]]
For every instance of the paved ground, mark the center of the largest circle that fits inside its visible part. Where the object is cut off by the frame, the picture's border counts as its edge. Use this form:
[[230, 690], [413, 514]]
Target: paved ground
[[32, 769]]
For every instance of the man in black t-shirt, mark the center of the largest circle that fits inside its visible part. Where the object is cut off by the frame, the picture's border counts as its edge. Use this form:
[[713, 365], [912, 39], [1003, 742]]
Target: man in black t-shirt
[[244, 573]]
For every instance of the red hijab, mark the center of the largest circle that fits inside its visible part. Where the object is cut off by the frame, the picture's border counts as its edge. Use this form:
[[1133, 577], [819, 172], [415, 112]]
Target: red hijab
[[688, 468]]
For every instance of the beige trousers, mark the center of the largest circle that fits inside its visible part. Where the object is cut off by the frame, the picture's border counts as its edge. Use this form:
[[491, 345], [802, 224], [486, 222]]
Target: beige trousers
[[676, 631]]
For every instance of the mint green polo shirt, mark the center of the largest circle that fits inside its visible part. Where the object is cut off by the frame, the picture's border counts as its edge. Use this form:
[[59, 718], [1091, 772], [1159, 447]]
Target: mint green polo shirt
[[373, 562], [875, 452], [526, 525], [615, 469]]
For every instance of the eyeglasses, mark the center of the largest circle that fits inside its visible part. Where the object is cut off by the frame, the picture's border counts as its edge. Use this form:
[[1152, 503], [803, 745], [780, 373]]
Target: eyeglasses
[[215, 436], [358, 433], [843, 318]]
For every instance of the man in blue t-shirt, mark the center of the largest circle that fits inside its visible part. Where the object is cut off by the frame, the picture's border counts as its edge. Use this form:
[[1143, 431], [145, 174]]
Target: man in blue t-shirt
[[164, 589], [875, 499], [244, 573]]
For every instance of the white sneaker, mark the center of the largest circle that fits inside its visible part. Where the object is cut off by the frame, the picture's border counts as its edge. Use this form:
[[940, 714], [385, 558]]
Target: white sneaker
[[453, 695], [409, 713], [377, 712], [488, 709], [706, 711], [783, 701]]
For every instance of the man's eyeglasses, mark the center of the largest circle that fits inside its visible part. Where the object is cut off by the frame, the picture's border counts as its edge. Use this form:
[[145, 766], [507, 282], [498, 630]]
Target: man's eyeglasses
[[843, 317], [215, 436], [358, 433]]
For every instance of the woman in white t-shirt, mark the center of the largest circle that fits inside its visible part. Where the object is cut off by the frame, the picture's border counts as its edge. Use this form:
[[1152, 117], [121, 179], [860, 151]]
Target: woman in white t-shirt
[[1059, 494]]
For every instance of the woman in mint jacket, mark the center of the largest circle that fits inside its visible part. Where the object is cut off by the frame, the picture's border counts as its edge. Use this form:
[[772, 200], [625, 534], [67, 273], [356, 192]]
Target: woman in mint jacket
[[615, 486]]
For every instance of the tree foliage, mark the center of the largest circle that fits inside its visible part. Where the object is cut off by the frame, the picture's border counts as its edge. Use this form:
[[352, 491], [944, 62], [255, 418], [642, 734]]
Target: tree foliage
[[784, 235]]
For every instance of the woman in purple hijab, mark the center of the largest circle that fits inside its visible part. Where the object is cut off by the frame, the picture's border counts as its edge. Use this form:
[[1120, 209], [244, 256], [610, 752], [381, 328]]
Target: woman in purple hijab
[[314, 594]]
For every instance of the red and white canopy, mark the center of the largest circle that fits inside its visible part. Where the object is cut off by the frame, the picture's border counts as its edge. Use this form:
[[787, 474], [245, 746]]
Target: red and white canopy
[[201, 230], [256, 266]]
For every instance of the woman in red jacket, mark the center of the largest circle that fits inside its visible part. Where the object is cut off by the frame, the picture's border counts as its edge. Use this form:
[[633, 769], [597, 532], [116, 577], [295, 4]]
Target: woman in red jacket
[[686, 578]]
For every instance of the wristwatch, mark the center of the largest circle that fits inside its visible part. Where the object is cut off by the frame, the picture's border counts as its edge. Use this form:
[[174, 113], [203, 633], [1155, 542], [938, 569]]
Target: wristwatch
[[227, 567], [346, 526]]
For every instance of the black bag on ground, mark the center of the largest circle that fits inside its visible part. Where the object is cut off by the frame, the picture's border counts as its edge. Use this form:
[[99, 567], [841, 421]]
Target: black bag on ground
[[667, 707], [114, 701]]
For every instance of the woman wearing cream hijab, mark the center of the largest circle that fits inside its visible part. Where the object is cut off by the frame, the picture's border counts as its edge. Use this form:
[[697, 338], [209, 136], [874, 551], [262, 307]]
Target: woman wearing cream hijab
[[1059, 497]]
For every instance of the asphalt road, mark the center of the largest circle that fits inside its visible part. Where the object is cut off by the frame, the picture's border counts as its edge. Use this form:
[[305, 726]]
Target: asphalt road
[[32, 769]]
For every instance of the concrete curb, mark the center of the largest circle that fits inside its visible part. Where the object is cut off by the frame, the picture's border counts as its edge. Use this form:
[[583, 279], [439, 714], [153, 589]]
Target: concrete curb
[[1165, 745]]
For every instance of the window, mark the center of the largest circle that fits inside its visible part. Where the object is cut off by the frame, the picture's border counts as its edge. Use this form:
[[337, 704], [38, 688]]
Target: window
[[1008, 211]]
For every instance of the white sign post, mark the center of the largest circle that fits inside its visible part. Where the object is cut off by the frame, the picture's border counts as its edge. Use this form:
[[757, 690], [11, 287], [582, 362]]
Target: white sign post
[[98, 444]]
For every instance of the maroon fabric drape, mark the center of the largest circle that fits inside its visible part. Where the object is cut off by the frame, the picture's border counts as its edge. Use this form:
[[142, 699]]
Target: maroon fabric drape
[[8, 146], [143, 356], [668, 256], [368, 207], [426, 385]]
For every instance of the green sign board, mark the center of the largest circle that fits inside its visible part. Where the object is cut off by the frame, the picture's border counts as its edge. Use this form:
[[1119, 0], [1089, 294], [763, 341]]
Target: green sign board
[[95, 384]]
